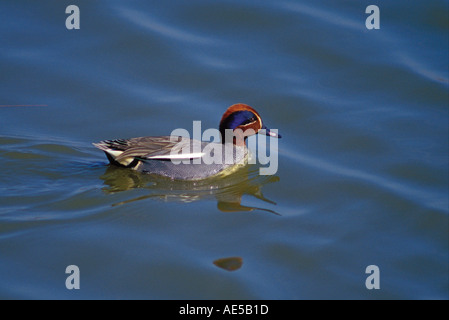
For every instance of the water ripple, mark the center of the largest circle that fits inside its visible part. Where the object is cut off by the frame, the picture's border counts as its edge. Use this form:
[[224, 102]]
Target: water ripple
[[423, 197], [148, 22], [323, 15]]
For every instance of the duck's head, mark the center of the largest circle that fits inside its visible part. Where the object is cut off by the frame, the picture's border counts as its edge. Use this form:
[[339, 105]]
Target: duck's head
[[243, 117]]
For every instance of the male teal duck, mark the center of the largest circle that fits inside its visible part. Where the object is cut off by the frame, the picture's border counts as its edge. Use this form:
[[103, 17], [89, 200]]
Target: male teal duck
[[167, 155]]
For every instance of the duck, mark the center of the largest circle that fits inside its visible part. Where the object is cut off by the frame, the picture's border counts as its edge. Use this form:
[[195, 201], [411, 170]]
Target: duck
[[181, 158]]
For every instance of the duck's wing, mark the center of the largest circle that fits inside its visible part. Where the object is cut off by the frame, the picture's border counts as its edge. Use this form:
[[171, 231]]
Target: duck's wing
[[125, 151]]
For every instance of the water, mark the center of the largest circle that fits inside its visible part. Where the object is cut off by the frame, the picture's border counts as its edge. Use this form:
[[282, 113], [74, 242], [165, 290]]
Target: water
[[363, 162]]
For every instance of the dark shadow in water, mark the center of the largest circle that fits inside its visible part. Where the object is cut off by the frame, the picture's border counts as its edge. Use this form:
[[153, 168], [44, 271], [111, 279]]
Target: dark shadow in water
[[226, 190], [229, 264]]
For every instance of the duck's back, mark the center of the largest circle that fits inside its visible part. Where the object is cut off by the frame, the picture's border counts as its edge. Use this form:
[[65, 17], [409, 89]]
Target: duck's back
[[173, 157]]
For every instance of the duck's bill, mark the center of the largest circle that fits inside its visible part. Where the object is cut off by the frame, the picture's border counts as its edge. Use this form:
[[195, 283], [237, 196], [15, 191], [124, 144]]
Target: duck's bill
[[271, 133]]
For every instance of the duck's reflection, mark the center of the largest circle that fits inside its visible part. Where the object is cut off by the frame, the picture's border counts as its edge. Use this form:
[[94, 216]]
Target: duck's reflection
[[229, 264], [227, 190]]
